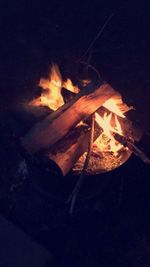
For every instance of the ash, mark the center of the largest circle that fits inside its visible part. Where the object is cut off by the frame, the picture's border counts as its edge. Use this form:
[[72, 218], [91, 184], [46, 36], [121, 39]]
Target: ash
[[102, 160]]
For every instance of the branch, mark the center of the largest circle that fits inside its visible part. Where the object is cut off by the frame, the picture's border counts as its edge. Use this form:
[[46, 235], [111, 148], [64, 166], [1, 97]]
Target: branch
[[79, 183]]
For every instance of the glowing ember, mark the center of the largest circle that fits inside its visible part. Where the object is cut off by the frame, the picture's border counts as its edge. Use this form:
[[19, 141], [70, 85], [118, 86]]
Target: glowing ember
[[85, 82], [106, 141]]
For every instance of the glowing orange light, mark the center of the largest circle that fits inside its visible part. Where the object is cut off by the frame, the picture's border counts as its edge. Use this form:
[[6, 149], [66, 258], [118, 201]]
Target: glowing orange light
[[69, 86], [52, 98], [51, 95], [111, 105], [105, 123]]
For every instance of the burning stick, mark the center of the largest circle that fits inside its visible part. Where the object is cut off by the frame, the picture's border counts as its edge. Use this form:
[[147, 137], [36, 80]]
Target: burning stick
[[129, 143], [46, 133]]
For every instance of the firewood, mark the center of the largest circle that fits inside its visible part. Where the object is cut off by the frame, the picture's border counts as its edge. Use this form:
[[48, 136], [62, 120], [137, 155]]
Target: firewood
[[67, 151], [46, 133]]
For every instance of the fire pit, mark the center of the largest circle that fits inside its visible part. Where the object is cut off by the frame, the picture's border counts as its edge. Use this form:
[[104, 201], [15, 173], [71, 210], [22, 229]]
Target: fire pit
[[63, 136], [74, 131]]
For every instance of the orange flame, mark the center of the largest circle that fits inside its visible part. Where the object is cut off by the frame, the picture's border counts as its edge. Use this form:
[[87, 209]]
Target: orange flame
[[117, 106], [105, 123], [52, 98], [111, 105], [69, 86], [51, 95]]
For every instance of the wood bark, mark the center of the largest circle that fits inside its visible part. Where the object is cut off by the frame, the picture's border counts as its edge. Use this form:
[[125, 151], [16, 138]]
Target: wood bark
[[46, 133]]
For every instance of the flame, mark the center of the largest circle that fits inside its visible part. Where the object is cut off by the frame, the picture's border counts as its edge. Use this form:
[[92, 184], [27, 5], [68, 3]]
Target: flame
[[118, 126], [116, 105], [112, 106], [69, 86], [52, 98], [51, 95], [106, 141], [104, 123]]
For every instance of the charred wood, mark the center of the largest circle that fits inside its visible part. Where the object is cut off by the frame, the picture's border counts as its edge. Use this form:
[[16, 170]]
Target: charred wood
[[133, 147]]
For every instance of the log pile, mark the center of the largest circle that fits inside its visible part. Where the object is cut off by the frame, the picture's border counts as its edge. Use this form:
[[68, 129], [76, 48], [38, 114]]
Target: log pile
[[46, 133], [60, 137]]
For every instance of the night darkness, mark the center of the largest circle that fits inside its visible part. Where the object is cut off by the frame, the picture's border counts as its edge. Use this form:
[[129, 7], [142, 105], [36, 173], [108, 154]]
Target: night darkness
[[110, 225]]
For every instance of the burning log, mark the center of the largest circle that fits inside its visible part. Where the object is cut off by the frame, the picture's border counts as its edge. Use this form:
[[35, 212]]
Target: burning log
[[57, 134], [66, 152], [46, 133]]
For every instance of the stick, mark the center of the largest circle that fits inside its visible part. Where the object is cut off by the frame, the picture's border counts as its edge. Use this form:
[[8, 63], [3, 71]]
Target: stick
[[77, 188], [134, 148], [98, 35]]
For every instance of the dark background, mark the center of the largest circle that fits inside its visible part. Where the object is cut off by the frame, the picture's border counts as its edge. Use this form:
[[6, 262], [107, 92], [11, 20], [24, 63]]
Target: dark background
[[35, 33], [112, 228]]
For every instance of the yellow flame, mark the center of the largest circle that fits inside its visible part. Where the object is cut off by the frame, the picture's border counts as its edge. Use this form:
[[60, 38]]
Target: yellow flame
[[69, 86], [51, 95], [118, 126], [105, 123], [112, 106]]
